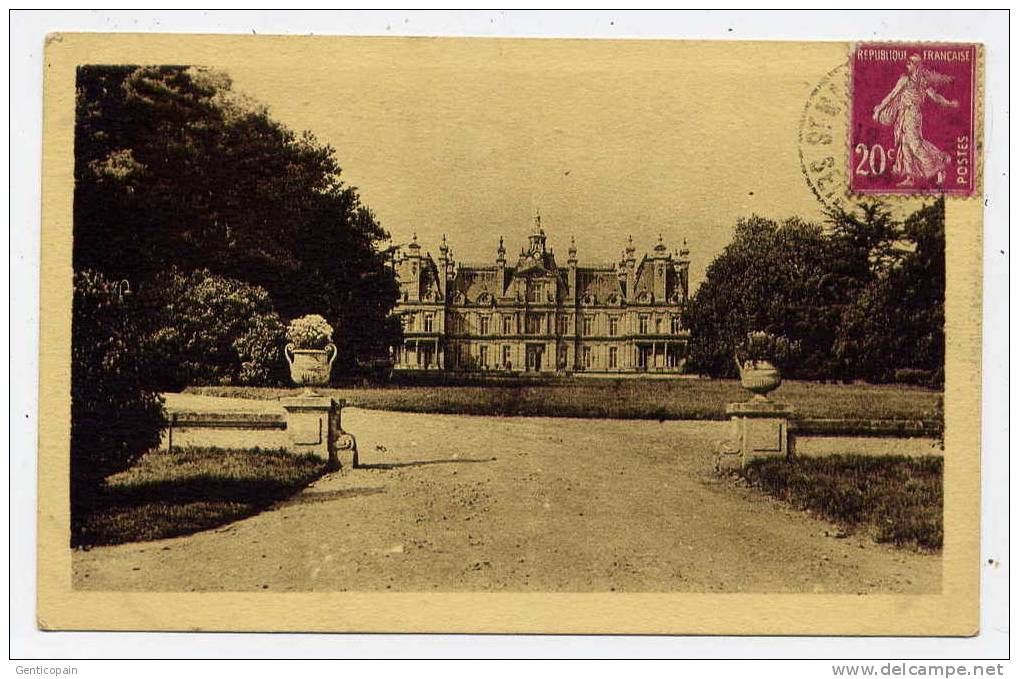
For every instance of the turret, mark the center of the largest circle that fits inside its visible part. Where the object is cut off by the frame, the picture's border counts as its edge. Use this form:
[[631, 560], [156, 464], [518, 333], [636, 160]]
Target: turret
[[410, 274], [537, 237], [660, 259], [445, 266], [500, 263]]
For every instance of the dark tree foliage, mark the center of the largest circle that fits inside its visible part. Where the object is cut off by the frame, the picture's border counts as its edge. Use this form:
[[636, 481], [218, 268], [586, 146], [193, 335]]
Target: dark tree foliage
[[864, 298], [114, 417], [894, 330], [773, 277], [173, 169], [863, 241]]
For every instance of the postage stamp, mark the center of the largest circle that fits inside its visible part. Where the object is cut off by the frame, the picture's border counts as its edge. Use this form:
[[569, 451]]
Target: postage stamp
[[913, 116]]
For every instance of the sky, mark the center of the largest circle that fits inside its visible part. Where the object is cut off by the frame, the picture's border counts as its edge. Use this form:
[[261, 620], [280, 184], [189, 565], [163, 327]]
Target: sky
[[469, 138]]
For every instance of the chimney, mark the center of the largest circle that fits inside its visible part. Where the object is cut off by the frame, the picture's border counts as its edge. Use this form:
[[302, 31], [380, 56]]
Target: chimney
[[630, 262], [682, 265]]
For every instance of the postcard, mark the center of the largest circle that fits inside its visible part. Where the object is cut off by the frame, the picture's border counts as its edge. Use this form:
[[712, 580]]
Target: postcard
[[510, 335]]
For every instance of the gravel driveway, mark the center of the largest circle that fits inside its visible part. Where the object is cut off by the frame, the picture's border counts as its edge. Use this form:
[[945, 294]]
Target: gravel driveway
[[458, 503]]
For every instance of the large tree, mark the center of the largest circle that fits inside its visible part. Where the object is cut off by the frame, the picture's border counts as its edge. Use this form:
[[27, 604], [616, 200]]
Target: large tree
[[777, 277], [895, 327], [173, 169], [863, 296]]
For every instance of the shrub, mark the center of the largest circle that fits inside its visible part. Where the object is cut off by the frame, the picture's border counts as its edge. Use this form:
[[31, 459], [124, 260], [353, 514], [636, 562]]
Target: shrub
[[114, 418], [214, 330], [309, 332]]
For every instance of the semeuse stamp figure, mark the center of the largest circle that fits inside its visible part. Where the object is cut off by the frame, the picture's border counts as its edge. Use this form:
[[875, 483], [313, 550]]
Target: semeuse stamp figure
[[912, 126], [902, 108]]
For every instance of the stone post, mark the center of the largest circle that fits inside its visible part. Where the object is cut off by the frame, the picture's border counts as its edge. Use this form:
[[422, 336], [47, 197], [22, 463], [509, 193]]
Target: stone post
[[313, 425], [759, 427]]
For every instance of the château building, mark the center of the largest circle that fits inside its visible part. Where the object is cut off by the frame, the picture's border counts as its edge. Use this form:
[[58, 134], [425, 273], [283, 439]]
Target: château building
[[532, 315]]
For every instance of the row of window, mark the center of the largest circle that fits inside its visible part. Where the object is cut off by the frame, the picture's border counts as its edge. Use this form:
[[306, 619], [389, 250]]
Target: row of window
[[646, 357], [463, 358], [535, 324]]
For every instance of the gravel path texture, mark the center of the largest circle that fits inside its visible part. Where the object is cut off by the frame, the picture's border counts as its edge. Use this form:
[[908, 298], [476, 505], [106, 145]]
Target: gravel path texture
[[460, 503]]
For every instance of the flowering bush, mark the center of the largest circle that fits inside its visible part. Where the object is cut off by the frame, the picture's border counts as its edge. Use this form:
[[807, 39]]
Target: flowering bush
[[213, 330], [764, 346], [309, 332]]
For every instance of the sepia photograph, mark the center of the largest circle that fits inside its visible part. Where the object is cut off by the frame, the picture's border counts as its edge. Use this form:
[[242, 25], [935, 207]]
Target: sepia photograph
[[393, 323]]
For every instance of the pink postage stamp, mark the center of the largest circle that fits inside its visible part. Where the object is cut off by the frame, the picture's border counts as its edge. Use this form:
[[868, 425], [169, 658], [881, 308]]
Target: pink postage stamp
[[913, 115]]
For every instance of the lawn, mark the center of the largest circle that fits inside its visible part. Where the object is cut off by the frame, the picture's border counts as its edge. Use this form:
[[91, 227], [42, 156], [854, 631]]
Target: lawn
[[687, 399], [897, 499], [184, 491]]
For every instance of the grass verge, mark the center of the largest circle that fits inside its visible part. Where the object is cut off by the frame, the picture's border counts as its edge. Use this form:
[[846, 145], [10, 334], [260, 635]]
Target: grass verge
[[184, 491], [689, 399], [897, 499]]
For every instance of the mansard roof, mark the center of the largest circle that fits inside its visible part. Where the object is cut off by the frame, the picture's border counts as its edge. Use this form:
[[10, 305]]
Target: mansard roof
[[600, 285], [474, 281], [595, 283], [644, 279]]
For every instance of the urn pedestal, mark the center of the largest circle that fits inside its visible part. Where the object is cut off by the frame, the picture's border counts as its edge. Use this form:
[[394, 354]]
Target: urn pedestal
[[313, 426], [758, 427]]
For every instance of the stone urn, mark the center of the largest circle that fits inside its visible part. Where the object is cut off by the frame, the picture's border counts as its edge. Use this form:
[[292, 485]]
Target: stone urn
[[310, 367], [759, 377]]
